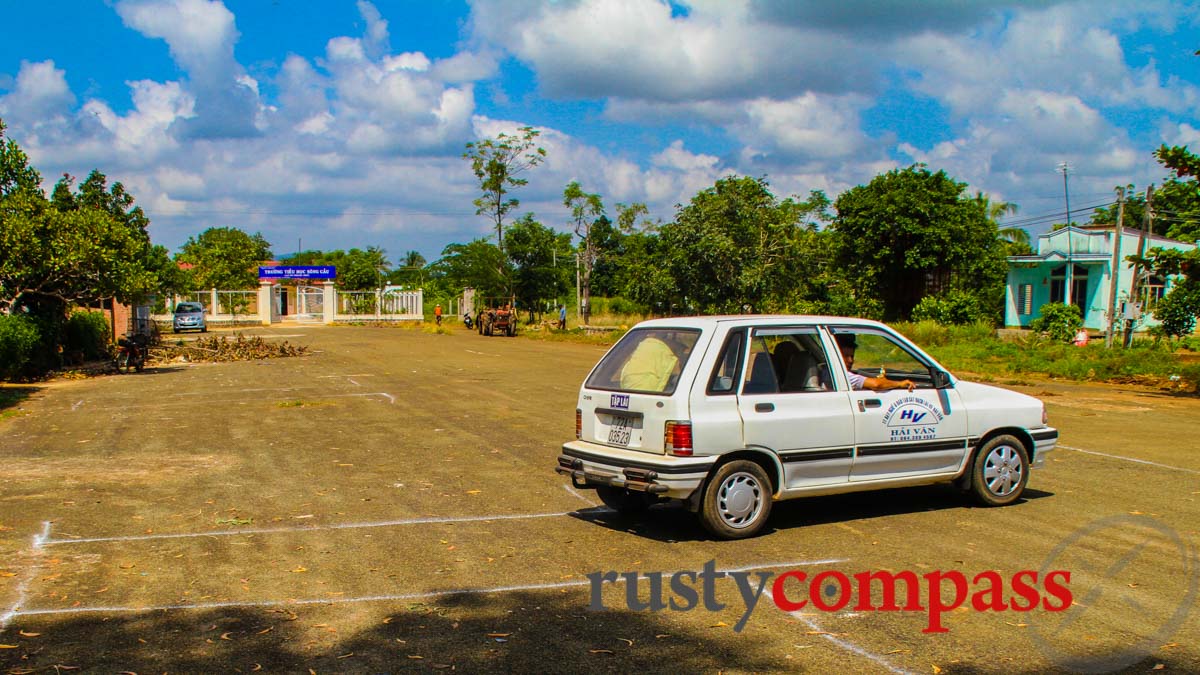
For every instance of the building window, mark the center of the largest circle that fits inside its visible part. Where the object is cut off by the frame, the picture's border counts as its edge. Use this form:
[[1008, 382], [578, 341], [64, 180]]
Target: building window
[[1025, 299], [1153, 291]]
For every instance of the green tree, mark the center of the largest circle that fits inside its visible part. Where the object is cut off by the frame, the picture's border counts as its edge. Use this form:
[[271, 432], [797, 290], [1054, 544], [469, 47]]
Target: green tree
[[1016, 239], [535, 251], [911, 233], [92, 246], [587, 211], [225, 258], [498, 164], [1177, 202], [411, 270], [1135, 211], [735, 247], [1180, 308], [478, 264]]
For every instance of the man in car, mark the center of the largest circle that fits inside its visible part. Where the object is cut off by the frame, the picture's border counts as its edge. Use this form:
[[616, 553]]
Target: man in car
[[847, 344]]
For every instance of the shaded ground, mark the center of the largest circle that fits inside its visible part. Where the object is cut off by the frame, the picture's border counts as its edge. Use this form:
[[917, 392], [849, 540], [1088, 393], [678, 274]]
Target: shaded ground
[[388, 503]]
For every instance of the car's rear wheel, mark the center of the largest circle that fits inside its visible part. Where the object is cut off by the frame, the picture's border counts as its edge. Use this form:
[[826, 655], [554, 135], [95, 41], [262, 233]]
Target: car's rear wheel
[[1000, 471], [737, 500], [623, 501]]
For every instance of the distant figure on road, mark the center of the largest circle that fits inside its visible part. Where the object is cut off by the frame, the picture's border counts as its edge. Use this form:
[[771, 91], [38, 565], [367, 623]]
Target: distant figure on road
[[562, 317], [437, 314]]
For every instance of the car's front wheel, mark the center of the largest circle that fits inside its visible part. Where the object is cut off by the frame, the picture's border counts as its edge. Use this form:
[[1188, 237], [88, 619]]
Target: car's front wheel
[[1000, 471], [737, 500]]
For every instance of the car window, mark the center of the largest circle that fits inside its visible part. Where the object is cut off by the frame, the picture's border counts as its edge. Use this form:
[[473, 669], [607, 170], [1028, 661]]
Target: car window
[[760, 376], [725, 373], [646, 360], [798, 359], [877, 354], [185, 307]]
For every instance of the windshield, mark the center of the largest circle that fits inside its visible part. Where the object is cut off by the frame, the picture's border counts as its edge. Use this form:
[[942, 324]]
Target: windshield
[[646, 361], [185, 308]]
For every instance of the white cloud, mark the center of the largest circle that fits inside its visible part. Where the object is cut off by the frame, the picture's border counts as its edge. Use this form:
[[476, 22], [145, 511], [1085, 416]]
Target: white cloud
[[41, 92]]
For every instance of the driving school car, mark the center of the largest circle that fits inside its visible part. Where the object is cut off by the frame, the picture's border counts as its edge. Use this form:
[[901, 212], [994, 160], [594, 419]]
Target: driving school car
[[732, 413]]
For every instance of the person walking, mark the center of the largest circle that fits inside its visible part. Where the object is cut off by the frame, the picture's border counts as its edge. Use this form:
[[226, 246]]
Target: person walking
[[437, 314], [562, 317]]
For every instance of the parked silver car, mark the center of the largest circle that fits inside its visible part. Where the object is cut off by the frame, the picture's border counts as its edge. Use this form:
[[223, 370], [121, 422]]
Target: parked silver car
[[189, 316]]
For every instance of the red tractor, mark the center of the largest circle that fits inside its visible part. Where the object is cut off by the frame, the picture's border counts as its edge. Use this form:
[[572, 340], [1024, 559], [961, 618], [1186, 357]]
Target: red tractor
[[497, 320]]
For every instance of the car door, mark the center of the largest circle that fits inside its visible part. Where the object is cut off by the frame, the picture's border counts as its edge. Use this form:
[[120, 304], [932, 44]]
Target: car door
[[786, 409], [899, 433]]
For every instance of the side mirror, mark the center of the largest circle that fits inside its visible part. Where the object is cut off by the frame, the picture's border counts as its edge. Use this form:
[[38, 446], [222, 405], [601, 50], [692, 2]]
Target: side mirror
[[941, 380]]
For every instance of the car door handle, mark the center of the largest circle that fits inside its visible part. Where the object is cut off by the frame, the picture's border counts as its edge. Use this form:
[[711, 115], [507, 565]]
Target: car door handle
[[863, 404], [764, 407]]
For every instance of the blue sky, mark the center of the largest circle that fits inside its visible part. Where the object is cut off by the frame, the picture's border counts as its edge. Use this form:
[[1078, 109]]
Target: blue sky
[[342, 124]]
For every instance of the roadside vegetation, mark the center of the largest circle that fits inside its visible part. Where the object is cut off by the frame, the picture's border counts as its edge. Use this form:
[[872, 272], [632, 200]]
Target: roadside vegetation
[[912, 244]]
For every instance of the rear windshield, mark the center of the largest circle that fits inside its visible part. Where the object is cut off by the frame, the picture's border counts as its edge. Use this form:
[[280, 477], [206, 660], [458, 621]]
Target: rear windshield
[[185, 307], [646, 361]]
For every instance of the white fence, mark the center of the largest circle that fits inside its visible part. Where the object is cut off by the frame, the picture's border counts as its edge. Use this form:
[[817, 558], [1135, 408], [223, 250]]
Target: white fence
[[322, 303]]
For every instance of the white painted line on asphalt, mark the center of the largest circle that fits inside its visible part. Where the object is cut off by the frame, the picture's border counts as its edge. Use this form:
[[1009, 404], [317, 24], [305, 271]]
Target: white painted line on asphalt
[[311, 528], [844, 644], [1129, 459], [118, 609], [23, 585], [575, 493]]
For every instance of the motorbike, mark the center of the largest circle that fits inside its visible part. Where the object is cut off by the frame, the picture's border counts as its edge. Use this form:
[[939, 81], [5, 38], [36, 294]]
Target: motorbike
[[467, 321], [131, 353]]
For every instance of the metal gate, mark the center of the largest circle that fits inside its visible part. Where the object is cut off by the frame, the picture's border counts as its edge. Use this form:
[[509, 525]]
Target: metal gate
[[310, 300]]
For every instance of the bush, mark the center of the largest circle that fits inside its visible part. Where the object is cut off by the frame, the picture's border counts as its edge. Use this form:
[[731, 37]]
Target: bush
[[86, 333], [1177, 311], [19, 340], [1060, 322], [953, 308]]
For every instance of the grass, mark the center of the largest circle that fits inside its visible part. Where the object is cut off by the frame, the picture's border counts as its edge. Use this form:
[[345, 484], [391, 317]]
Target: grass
[[11, 397], [977, 350]]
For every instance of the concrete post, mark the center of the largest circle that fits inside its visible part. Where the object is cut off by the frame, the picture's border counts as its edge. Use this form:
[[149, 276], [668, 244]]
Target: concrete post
[[213, 308], [378, 303], [328, 303], [266, 301]]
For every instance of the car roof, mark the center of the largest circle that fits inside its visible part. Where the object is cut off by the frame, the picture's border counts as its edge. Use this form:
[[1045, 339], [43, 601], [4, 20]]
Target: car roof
[[755, 319]]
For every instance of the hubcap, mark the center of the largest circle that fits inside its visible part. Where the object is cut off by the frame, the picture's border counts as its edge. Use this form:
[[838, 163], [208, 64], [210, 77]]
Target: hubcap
[[1002, 470], [740, 500]]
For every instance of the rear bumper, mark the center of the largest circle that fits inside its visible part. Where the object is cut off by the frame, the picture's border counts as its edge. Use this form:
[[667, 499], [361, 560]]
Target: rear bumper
[[1044, 440], [590, 465]]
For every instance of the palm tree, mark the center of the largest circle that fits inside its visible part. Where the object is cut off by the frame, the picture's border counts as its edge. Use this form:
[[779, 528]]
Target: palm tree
[[1016, 238]]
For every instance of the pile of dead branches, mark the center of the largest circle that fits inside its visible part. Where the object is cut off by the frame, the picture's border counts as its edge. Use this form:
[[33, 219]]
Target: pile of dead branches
[[223, 348]]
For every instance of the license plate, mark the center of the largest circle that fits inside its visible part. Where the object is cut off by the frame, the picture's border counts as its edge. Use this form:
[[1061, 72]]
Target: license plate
[[620, 430]]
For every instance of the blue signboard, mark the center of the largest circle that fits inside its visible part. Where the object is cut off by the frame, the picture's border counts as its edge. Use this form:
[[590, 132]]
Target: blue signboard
[[298, 272]]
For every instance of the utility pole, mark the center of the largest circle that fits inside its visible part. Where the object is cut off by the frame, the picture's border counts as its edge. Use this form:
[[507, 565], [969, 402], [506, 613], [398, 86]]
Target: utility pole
[[1113, 268], [1135, 287], [1065, 169]]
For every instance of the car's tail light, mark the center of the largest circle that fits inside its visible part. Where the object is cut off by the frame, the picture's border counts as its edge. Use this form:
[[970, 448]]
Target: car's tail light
[[677, 438], [578, 424]]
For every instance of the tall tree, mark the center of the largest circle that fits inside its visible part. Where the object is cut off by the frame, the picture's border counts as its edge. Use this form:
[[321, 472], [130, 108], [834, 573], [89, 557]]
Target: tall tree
[[498, 164], [535, 251], [1177, 202], [737, 248], [911, 233], [478, 264], [92, 245], [1015, 238], [587, 211], [225, 257]]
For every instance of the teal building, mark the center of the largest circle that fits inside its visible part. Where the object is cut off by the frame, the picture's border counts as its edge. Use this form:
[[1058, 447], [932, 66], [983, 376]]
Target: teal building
[[1075, 263]]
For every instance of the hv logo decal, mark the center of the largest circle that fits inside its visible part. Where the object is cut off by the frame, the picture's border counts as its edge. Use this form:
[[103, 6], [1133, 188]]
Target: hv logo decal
[[912, 418]]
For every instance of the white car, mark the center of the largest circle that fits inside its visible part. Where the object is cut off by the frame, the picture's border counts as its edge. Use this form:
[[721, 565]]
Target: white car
[[730, 413]]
